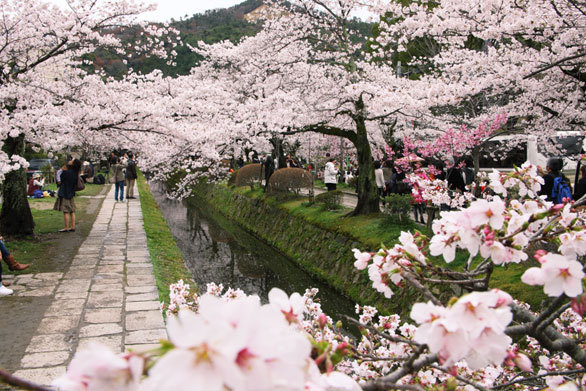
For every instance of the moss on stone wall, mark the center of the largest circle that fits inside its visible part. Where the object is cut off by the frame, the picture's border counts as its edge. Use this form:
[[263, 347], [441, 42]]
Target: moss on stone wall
[[325, 254]]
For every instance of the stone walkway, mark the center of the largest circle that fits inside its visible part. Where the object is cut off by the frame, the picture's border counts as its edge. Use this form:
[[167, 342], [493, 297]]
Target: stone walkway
[[107, 296]]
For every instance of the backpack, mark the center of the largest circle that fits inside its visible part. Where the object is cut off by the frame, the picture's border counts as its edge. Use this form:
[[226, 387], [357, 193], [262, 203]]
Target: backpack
[[561, 190], [99, 179], [38, 194]]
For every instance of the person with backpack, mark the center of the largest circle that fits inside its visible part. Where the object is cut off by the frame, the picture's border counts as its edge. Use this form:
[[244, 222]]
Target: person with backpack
[[556, 186]]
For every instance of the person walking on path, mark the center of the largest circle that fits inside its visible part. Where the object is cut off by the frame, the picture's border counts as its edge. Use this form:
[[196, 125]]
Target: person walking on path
[[65, 202], [117, 172], [130, 177], [330, 174]]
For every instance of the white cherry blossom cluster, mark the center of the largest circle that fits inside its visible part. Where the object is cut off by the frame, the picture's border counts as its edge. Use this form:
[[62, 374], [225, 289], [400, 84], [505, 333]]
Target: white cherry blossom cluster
[[471, 329], [232, 342], [525, 180], [385, 268]]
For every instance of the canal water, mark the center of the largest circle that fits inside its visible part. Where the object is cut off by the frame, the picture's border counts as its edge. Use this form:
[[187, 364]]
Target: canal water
[[217, 250]]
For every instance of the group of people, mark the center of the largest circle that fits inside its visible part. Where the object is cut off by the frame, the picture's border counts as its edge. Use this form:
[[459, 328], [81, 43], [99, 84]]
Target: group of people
[[123, 174]]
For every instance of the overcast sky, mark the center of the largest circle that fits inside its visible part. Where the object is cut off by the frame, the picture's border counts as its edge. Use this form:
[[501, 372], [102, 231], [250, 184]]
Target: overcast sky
[[167, 9], [177, 9]]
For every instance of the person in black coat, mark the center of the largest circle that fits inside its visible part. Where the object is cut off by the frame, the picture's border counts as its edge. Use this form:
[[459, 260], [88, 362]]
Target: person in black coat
[[580, 189], [65, 202], [554, 168]]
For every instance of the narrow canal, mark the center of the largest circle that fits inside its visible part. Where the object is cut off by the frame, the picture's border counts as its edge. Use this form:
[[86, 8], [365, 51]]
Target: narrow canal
[[217, 250]]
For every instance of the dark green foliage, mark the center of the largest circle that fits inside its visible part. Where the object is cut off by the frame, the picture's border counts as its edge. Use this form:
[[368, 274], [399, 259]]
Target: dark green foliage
[[331, 199], [397, 207]]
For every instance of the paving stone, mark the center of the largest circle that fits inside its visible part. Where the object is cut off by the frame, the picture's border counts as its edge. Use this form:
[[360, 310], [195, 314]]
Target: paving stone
[[97, 330], [143, 306], [90, 263], [143, 297], [58, 324], [145, 336], [140, 280], [49, 276], [138, 264], [47, 359], [79, 272], [71, 295], [105, 299], [65, 307], [117, 261], [38, 292], [139, 271], [103, 315], [113, 342], [41, 283], [24, 277], [80, 285], [42, 376], [97, 287], [49, 343], [139, 259], [144, 320], [111, 269], [140, 289]]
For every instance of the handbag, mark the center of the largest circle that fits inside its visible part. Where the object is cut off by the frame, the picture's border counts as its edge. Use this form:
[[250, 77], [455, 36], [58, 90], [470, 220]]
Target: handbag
[[79, 186]]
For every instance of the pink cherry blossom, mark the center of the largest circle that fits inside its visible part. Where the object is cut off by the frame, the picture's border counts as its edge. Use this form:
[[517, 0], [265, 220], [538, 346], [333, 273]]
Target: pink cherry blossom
[[558, 274]]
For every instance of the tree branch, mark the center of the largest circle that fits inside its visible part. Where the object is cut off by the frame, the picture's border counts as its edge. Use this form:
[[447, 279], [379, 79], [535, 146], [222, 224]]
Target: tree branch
[[7, 378]]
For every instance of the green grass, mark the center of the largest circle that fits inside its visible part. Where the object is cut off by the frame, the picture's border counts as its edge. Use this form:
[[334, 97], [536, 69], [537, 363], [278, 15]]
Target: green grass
[[168, 264]]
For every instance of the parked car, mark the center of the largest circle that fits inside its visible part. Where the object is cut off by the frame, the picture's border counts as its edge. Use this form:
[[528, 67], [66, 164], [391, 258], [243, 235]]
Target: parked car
[[36, 167]]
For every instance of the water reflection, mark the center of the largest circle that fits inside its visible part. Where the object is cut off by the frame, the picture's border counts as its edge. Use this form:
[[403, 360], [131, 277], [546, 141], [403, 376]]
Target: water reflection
[[217, 250]]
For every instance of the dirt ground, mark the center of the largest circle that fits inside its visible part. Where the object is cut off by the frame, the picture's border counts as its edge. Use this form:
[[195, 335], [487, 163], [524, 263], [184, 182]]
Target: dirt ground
[[20, 316]]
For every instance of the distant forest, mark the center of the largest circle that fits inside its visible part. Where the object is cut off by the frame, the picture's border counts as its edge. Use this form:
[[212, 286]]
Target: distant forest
[[210, 27]]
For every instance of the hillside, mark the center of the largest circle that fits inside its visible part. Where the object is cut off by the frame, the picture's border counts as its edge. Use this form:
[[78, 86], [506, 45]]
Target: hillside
[[210, 27]]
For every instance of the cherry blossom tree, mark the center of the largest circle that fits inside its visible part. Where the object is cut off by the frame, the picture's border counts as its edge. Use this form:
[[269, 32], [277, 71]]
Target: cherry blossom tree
[[525, 58], [40, 58], [304, 73]]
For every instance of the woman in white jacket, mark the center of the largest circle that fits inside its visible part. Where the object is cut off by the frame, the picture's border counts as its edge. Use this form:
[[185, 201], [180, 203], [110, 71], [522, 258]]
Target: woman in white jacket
[[330, 175]]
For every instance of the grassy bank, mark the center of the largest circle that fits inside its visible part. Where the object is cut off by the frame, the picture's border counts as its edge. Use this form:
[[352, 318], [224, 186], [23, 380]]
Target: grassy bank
[[168, 264]]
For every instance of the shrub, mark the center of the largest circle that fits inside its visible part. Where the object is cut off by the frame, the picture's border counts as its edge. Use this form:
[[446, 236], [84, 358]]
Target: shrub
[[331, 199], [290, 180], [249, 175], [397, 206]]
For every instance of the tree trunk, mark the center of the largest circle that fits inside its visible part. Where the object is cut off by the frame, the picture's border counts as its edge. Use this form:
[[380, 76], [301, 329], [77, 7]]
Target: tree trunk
[[16, 217], [368, 199], [476, 159]]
